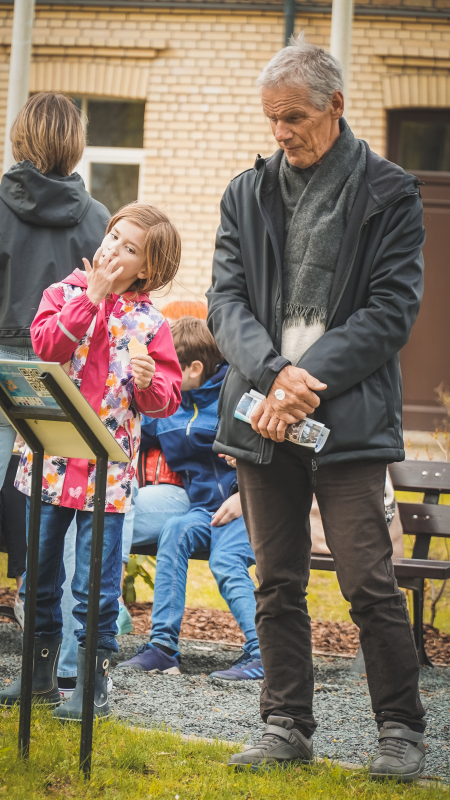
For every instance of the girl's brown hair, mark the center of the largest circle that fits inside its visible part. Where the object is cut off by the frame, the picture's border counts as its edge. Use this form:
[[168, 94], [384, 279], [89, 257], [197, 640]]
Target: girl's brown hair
[[162, 245], [48, 132]]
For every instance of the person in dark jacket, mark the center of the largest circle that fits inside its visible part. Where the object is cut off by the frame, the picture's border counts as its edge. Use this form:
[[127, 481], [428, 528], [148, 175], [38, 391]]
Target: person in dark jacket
[[48, 223], [317, 281], [203, 516]]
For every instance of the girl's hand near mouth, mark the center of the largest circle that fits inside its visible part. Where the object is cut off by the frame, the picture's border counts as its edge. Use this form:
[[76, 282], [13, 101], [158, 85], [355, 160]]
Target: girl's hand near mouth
[[101, 276]]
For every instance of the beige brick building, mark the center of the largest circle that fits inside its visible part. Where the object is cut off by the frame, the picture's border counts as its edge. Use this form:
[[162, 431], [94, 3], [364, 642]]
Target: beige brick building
[[194, 65]]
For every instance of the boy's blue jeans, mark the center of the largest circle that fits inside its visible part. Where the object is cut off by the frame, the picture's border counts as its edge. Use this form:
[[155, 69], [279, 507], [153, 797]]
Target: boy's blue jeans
[[55, 521], [230, 558]]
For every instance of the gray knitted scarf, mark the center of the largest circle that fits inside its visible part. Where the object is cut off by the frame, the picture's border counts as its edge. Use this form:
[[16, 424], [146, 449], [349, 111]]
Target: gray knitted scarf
[[317, 205]]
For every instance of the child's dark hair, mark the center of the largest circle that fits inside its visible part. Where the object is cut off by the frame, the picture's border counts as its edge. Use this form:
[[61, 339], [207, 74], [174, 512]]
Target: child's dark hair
[[194, 342], [162, 245]]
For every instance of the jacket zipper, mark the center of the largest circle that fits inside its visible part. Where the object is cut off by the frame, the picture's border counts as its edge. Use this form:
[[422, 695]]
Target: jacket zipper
[[158, 467], [314, 468], [217, 479], [379, 210], [188, 429]]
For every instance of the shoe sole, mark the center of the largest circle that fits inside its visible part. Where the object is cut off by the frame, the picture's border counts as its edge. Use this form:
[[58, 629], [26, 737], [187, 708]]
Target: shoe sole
[[223, 678], [283, 765], [36, 701], [170, 671], [137, 668], [409, 777], [77, 720]]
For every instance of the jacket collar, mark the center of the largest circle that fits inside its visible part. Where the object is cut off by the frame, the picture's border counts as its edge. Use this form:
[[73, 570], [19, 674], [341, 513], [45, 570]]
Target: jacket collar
[[78, 278], [205, 395], [384, 180]]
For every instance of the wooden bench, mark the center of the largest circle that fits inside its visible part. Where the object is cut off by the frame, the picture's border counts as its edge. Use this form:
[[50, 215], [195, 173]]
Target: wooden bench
[[423, 520]]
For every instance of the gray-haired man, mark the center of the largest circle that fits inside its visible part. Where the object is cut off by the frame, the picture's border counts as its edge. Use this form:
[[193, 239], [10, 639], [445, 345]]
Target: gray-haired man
[[318, 272]]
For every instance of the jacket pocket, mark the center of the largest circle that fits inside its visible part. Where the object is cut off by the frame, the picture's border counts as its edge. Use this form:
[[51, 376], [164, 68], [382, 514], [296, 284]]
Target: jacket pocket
[[386, 388], [234, 436], [357, 419], [222, 392]]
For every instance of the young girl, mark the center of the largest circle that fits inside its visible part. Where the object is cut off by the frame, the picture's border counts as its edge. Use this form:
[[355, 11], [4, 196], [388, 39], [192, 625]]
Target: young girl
[[86, 322]]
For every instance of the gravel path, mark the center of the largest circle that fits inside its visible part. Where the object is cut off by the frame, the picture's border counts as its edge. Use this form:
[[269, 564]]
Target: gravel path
[[195, 704]]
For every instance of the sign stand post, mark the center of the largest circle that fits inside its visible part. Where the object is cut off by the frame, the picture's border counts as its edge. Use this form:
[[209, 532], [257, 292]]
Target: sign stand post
[[92, 440]]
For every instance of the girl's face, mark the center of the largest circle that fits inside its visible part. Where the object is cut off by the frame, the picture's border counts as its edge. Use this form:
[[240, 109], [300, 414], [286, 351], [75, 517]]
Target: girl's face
[[125, 241]]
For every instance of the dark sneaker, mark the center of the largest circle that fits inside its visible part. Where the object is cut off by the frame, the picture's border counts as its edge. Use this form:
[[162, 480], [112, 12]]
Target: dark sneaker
[[281, 744], [401, 753], [151, 659], [246, 668]]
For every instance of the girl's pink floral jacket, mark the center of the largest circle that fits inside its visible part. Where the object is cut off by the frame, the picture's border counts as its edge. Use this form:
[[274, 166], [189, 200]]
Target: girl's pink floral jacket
[[92, 343]]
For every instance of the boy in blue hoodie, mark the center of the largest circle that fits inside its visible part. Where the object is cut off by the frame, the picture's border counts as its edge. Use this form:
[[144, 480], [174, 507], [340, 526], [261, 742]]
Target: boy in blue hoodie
[[204, 515]]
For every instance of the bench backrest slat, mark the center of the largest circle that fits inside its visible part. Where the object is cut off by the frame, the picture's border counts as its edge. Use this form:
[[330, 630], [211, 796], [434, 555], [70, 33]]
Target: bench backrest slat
[[419, 476], [424, 518]]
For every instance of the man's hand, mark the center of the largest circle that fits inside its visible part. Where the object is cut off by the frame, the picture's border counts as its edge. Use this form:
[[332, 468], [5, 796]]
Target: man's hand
[[273, 415], [229, 510], [142, 370], [101, 276]]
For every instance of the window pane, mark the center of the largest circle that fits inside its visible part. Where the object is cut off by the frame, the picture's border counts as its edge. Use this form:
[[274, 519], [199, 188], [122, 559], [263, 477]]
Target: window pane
[[115, 123], [114, 185], [425, 145]]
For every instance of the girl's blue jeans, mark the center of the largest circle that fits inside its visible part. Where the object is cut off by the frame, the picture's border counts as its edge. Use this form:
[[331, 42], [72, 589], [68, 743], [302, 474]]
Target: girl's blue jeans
[[55, 521]]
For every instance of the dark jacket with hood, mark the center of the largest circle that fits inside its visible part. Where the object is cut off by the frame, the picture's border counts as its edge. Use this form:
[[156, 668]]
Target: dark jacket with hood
[[375, 299], [186, 440], [48, 223]]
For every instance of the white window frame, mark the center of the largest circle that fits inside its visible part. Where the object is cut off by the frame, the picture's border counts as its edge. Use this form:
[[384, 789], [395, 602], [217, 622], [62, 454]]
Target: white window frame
[[109, 155]]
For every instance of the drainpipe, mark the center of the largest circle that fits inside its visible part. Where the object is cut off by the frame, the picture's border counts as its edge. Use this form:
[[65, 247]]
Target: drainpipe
[[341, 34], [289, 19], [19, 70]]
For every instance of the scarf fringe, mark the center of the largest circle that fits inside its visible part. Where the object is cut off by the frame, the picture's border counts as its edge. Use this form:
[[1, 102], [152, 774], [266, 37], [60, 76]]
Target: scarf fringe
[[294, 313]]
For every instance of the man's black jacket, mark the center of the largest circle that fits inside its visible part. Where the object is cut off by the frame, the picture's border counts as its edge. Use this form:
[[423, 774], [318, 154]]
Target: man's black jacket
[[375, 299], [48, 223]]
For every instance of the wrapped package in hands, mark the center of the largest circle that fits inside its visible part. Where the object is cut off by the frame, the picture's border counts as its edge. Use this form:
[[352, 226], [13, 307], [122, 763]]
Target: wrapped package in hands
[[307, 432]]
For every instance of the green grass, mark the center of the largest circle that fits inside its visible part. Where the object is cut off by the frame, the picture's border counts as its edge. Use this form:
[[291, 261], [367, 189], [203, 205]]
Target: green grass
[[132, 764]]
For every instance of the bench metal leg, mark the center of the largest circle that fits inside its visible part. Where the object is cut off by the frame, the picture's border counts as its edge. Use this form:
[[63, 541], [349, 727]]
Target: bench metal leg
[[34, 524], [418, 601], [95, 576], [417, 586]]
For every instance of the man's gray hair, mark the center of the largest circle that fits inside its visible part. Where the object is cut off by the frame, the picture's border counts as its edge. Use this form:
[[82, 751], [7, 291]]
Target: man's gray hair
[[301, 65]]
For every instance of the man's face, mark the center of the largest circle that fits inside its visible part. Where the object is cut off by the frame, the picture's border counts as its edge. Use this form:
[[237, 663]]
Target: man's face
[[302, 131]]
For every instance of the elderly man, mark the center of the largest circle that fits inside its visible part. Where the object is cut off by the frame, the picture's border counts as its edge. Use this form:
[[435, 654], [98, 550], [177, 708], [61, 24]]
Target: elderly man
[[317, 281]]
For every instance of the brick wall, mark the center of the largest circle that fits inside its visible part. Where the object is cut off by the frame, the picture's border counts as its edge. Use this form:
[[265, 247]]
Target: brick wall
[[203, 122]]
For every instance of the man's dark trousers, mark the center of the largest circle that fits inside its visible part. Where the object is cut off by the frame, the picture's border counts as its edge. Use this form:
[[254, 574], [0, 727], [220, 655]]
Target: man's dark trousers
[[276, 500]]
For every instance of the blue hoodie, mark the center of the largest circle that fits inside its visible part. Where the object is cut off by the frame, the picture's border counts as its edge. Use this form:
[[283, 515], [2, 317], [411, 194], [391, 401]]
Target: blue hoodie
[[186, 440]]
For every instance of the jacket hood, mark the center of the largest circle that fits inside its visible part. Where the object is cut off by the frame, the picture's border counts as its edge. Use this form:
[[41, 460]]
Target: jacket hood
[[76, 278], [50, 201]]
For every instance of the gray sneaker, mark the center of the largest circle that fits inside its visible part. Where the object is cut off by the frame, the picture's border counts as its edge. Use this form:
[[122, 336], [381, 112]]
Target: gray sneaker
[[401, 753], [280, 744]]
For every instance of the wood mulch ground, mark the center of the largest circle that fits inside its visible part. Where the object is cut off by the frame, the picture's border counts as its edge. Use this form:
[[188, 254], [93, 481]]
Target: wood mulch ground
[[220, 626], [327, 637]]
